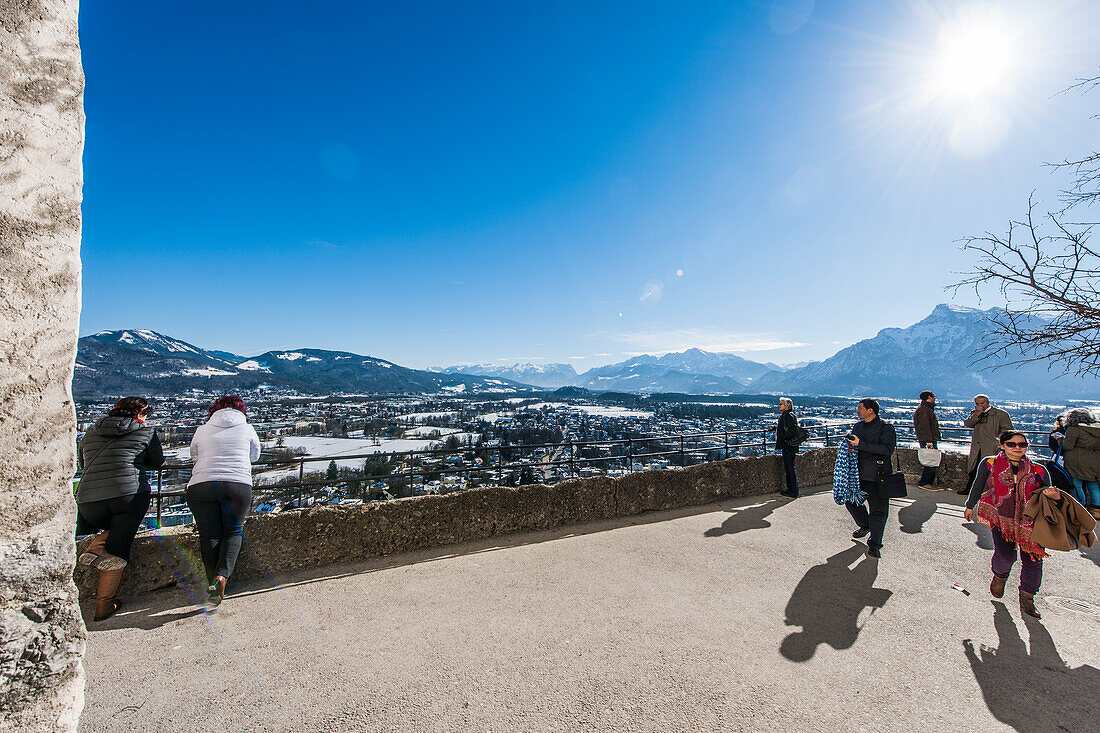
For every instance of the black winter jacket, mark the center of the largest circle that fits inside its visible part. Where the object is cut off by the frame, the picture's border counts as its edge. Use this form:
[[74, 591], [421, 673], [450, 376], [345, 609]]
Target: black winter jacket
[[113, 456], [877, 441], [785, 430]]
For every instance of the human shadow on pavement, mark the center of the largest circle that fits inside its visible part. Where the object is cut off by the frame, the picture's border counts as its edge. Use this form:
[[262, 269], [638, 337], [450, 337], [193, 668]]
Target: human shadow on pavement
[[981, 531], [827, 603], [1032, 690], [746, 518], [913, 516], [146, 612]]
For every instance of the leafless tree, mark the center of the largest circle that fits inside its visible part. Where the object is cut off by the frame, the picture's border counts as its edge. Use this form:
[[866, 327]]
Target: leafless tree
[[1049, 275]]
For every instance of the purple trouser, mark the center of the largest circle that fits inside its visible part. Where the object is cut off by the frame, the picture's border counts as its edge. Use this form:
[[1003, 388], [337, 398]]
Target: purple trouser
[[1004, 554]]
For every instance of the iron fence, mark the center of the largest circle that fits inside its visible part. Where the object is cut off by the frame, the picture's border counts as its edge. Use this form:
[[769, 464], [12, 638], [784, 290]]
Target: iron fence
[[494, 462]]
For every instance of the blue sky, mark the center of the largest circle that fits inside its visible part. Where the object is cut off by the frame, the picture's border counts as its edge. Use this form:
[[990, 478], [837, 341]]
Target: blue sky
[[440, 183]]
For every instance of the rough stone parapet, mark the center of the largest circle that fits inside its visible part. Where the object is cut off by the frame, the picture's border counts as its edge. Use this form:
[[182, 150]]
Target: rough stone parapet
[[41, 141], [332, 534]]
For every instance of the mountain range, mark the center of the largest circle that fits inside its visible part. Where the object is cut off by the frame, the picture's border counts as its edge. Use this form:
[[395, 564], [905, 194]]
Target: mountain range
[[113, 363], [935, 353]]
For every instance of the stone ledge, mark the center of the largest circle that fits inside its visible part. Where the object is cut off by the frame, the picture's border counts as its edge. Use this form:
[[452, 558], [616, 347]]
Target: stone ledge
[[328, 535]]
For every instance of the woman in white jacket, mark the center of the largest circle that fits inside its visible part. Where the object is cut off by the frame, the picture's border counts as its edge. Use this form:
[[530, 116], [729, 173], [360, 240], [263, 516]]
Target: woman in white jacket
[[219, 493]]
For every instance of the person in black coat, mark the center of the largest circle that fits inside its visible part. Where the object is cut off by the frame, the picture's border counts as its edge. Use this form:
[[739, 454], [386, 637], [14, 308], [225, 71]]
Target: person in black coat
[[875, 441], [786, 431], [114, 493]]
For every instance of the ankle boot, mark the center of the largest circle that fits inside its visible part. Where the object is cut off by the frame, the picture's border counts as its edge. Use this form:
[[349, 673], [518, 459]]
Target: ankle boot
[[1027, 604], [96, 556], [997, 586], [105, 602]]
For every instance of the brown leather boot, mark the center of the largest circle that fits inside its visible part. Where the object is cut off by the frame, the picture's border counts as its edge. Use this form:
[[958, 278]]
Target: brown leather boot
[[1027, 604], [105, 602], [997, 586], [96, 556]]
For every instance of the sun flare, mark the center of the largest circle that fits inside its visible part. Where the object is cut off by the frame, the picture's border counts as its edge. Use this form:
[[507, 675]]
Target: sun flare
[[975, 56]]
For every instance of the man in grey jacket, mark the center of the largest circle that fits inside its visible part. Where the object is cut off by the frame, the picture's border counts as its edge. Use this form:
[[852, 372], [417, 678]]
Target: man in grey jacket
[[987, 422]]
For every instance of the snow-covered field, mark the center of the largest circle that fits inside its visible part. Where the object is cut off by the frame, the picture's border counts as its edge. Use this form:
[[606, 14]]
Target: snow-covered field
[[333, 448]]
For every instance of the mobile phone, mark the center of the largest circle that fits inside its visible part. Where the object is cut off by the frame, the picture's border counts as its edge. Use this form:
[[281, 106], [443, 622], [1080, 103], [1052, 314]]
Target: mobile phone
[[850, 436]]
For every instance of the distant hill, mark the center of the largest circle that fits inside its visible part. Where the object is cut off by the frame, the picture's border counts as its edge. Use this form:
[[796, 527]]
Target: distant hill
[[112, 363], [542, 375], [934, 354]]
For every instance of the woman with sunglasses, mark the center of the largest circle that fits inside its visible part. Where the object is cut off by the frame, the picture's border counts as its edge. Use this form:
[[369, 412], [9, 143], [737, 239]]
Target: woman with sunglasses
[[1001, 488]]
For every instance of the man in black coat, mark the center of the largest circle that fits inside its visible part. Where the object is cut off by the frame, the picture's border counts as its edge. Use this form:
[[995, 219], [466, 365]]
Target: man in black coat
[[927, 428], [785, 434], [875, 440]]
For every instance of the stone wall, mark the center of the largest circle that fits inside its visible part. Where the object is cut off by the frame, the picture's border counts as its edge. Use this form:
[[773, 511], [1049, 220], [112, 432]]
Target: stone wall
[[41, 141], [329, 535]]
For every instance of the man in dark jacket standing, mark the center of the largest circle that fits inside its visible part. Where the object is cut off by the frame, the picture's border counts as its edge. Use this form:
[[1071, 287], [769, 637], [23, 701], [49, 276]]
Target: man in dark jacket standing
[[875, 440], [927, 427], [786, 433]]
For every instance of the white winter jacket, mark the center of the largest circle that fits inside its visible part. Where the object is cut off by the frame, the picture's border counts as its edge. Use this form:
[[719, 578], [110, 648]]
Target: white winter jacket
[[224, 449]]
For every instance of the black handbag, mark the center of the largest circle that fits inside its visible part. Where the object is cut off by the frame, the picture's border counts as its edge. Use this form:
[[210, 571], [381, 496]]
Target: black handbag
[[892, 485]]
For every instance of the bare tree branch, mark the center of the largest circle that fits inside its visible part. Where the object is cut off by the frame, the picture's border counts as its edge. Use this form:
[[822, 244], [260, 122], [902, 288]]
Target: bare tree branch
[[1050, 277]]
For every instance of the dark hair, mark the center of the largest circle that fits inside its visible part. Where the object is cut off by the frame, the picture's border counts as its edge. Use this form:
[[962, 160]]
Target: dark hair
[[229, 401], [870, 404], [1079, 417], [926, 394], [130, 407], [1007, 436]]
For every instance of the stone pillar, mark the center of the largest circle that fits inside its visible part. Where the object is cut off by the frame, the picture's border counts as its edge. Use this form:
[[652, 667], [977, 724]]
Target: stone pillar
[[41, 140]]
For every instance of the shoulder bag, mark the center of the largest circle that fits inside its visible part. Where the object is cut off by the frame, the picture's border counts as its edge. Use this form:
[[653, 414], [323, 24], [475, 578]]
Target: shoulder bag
[[892, 485]]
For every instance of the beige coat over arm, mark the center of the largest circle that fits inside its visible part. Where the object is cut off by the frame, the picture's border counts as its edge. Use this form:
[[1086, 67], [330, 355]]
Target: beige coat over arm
[[987, 427]]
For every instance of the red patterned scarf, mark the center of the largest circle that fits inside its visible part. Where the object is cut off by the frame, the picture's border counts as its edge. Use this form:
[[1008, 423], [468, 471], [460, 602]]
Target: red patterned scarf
[[1002, 502]]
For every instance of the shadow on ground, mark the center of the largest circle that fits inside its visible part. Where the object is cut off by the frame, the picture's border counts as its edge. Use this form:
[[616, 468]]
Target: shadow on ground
[[827, 603], [1032, 689], [746, 518], [156, 609], [913, 516], [982, 533]]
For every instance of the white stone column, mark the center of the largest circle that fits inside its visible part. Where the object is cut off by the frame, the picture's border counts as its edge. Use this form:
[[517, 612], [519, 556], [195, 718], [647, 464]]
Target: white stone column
[[41, 141]]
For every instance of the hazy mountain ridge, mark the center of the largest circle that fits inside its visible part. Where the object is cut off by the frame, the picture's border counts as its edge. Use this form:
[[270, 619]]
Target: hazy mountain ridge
[[541, 375]]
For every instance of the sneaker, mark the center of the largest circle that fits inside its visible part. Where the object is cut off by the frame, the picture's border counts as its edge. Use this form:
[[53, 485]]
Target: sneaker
[[930, 487], [861, 532], [874, 552]]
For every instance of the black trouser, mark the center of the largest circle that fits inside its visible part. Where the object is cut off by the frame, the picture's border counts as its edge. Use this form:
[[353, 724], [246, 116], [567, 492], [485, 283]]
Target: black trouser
[[120, 517], [788, 469], [219, 508], [875, 519]]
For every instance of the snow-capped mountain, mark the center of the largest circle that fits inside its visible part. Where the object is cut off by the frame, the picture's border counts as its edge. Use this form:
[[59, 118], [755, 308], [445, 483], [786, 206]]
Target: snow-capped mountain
[[155, 343], [114, 363], [541, 375], [936, 354], [693, 371]]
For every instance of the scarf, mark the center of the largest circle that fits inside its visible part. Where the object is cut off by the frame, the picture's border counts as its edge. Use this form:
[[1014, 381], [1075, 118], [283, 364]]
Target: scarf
[[846, 477], [1002, 502]]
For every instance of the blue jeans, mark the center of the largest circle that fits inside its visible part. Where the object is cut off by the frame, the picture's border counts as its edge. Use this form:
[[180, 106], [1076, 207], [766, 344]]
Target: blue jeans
[[1080, 487]]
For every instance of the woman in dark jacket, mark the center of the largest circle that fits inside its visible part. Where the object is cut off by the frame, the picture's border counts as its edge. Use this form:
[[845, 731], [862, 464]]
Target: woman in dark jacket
[[113, 494], [1081, 455]]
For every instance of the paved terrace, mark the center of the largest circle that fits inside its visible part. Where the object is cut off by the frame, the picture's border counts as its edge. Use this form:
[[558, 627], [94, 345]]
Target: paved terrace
[[749, 614]]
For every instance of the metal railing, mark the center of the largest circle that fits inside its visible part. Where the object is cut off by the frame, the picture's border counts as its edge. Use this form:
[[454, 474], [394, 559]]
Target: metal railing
[[559, 461]]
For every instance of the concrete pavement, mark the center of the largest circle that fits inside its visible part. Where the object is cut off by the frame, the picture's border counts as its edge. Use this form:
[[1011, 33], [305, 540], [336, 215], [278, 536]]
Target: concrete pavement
[[755, 614]]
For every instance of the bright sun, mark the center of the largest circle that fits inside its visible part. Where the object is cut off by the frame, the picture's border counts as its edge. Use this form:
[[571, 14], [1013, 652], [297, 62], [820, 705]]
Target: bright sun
[[975, 56]]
